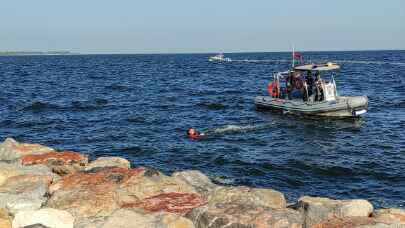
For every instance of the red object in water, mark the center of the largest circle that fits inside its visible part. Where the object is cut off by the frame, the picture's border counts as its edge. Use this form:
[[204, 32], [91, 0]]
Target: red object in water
[[193, 133]]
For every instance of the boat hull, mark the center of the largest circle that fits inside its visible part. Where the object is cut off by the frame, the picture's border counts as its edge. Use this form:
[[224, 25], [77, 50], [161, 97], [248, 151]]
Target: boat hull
[[341, 107]]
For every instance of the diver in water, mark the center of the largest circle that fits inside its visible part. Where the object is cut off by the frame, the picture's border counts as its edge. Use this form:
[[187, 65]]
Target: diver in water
[[194, 134]]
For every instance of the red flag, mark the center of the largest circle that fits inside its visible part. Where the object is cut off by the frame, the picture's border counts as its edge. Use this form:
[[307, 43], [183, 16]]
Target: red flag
[[297, 55]]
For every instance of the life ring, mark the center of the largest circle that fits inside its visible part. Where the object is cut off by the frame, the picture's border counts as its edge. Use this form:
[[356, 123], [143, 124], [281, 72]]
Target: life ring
[[274, 89]]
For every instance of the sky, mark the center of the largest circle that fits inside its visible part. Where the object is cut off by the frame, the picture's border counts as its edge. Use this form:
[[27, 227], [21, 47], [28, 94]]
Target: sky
[[190, 26]]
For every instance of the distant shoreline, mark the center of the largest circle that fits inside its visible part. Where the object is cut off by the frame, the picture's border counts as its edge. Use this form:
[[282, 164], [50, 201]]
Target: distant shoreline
[[18, 53], [34, 53]]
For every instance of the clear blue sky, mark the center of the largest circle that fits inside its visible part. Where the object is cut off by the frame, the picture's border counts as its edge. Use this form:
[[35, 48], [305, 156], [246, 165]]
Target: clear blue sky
[[139, 26]]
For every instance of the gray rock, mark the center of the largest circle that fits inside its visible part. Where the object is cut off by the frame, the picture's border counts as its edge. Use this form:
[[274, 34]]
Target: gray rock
[[8, 170], [89, 222], [317, 209], [24, 192], [357, 222], [390, 215], [124, 218], [244, 216], [36, 226], [108, 162], [47, 217], [24, 204], [201, 183], [11, 149], [247, 196]]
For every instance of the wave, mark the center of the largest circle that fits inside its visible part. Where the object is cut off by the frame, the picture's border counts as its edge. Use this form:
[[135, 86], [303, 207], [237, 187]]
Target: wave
[[39, 106], [211, 106], [120, 88], [239, 128], [87, 105], [393, 104], [342, 171]]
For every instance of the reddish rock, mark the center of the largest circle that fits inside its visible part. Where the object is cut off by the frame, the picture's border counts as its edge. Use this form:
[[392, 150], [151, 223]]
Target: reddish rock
[[59, 158], [93, 193], [149, 184], [61, 163], [106, 176], [98, 201], [180, 203]]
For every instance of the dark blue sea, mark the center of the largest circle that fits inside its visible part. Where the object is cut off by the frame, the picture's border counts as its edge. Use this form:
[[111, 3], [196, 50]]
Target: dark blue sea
[[139, 107]]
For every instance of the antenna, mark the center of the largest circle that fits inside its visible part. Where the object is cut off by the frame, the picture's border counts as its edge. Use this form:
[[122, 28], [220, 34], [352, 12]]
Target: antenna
[[293, 54]]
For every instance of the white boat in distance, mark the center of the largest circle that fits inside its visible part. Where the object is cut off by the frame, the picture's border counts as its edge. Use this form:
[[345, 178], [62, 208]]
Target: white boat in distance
[[219, 58]]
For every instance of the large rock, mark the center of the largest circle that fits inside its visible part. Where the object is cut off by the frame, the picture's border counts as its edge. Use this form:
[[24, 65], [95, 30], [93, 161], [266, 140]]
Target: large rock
[[89, 222], [130, 219], [247, 196], [317, 209], [24, 192], [201, 183], [92, 193], [22, 184], [180, 203], [5, 220], [24, 204], [108, 162], [357, 222], [11, 149], [47, 217], [149, 184], [244, 216], [62, 163], [95, 177], [390, 215], [8, 170]]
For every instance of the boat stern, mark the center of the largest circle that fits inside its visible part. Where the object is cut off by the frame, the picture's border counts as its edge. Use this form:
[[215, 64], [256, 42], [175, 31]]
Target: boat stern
[[358, 105]]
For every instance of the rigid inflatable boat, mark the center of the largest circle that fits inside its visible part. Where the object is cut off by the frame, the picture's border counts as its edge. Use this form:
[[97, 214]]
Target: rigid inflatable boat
[[302, 90]]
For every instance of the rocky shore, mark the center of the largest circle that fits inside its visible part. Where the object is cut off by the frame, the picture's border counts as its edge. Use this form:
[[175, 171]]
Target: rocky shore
[[42, 187]]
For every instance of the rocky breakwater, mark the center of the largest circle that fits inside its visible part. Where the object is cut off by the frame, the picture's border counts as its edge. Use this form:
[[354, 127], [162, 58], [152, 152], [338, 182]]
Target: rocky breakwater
[[42, 187]]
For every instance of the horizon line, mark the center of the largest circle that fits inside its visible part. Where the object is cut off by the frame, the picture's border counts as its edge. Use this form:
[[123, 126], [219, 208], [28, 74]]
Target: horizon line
[[184, 53]]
